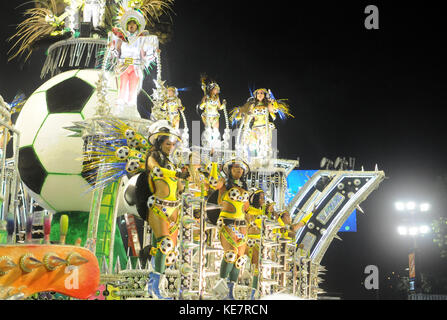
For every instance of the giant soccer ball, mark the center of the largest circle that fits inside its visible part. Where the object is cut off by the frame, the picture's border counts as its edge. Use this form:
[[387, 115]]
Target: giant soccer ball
[[50, 161]]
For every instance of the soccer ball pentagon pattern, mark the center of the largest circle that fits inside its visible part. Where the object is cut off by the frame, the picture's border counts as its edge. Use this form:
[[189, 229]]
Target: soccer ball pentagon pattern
[[122, 153], [49, 160], [234, 194]]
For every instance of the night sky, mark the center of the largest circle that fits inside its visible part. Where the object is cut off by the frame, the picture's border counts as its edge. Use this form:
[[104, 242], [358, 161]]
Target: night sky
[[376, 95]]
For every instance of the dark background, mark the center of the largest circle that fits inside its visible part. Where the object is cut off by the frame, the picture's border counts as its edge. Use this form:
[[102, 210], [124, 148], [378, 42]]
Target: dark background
[[376, 95]]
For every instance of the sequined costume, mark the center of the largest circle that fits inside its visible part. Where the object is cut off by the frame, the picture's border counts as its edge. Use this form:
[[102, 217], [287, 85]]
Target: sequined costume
[[233, 197], [164, 183], [211, 105], [257, 129], [171, 109], [135, 49]]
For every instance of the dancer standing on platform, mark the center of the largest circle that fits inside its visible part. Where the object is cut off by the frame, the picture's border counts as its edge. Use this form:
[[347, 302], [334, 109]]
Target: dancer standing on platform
[[257, 128], [165, 183], [211, 106], [172, 107], [135, 50], [254, 214], [233, 197]]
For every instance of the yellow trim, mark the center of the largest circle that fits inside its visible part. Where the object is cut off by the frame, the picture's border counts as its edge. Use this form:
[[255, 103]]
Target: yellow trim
[[306, 218], [230, 240], [281, 222], [238, 207], [165, 216], [171, 180], [255, 211]]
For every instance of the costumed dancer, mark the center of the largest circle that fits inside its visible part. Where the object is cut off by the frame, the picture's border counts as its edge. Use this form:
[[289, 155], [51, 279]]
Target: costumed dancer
[[72, 20], [254, 214], [165, 183], [135, 50], [287, 229], [93, 12], [234, 199], [256, 126], [211, 106], [172, 107], [204, 179]]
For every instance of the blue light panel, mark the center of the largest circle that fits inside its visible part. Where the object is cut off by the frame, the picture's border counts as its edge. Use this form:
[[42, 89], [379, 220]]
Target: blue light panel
[[297, 178]]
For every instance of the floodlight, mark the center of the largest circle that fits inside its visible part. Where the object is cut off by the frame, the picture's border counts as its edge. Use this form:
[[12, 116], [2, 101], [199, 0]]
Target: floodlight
[[402, 230], [424, 229], [410, 205], [400, 206], [424, 207], [412, 231]]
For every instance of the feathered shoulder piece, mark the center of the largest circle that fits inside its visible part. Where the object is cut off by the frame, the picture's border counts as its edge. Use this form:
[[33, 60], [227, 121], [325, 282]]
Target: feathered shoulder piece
[[281, 108], [238, 113], [152, 10], [118, 151]]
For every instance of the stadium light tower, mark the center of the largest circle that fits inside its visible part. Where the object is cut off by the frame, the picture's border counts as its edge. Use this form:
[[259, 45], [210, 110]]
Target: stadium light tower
[[412, 215]]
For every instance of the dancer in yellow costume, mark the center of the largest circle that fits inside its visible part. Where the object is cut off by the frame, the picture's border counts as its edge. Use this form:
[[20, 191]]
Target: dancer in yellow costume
[[234, 199], [202, 177], [211, 105], [172, 107], [165, 182], [287, 229], [254, 214], [255, 115]]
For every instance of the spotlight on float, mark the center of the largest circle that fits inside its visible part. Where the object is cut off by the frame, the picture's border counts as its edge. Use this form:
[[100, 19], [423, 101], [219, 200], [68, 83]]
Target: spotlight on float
[[340, 163], [351, 163], [326, 163]]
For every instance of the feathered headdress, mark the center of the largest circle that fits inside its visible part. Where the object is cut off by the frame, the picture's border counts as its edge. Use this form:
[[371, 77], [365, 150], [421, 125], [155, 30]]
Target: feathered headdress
[[46, 21], [142, 12], [208, 85], [119, 151]]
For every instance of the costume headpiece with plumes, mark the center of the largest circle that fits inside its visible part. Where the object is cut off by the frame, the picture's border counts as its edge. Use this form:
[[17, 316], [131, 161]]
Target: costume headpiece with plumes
[[42, 23], [208, 85], [143, 12]]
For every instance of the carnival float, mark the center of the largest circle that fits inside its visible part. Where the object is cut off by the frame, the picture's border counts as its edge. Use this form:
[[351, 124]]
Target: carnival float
[[205, 220]]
